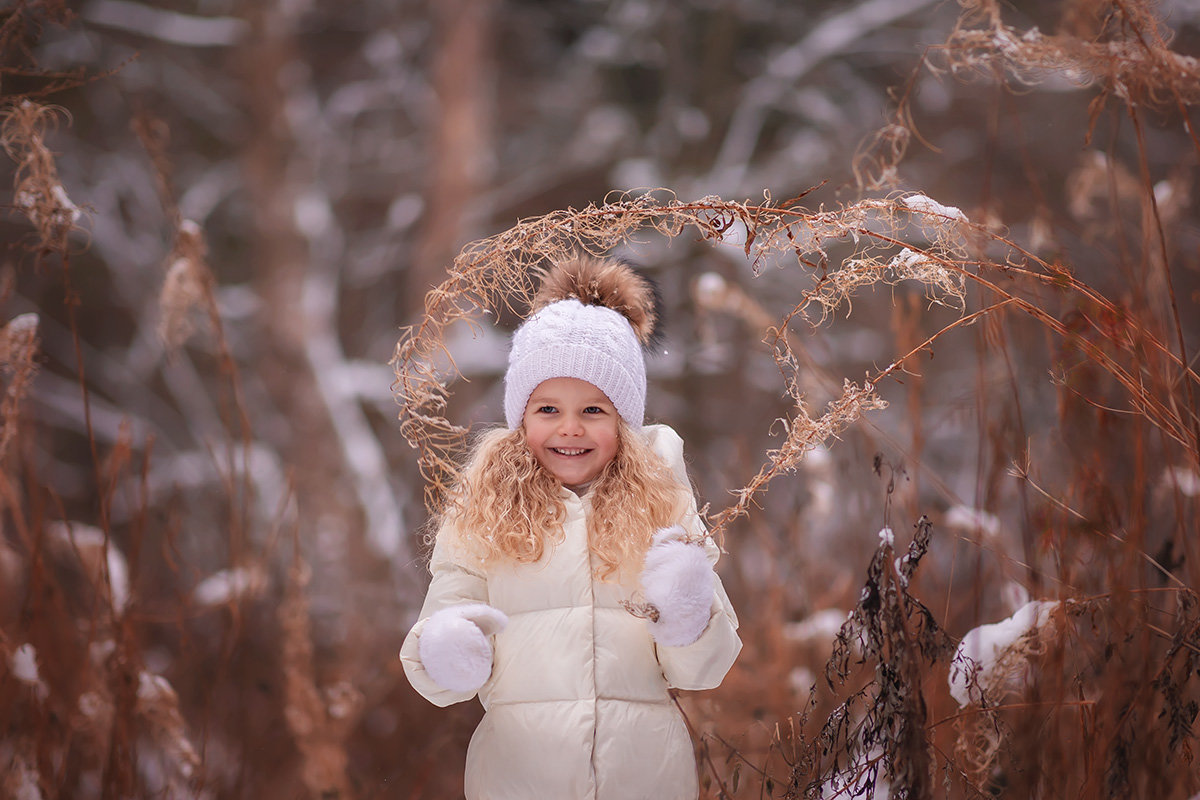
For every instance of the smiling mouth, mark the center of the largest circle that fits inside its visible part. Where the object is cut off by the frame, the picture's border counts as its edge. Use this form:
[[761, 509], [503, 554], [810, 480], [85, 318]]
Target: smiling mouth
[[569, 451]]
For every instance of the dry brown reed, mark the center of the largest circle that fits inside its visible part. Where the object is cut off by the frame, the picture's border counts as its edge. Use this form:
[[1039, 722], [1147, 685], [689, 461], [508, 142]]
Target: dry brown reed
[[880, 730], [37, 191], [1120, 48], [82, 713], [499, 275], [319, 725], [1102, 703], [22, 25], [187, 290], [158, 707], [18, 352]]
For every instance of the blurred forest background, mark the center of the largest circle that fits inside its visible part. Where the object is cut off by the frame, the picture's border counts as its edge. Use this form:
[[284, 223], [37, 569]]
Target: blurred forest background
[[219, 217]]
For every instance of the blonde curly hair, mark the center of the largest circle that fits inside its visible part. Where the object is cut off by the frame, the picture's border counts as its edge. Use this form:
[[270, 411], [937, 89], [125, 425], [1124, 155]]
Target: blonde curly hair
[[507, 507]]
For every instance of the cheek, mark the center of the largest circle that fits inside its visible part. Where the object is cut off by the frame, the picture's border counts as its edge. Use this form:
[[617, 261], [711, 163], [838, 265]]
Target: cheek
[[608, 444], [536, 446], [535, 434]]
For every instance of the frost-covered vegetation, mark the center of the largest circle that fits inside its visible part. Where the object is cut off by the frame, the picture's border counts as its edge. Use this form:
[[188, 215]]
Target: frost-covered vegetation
[[932, 276]]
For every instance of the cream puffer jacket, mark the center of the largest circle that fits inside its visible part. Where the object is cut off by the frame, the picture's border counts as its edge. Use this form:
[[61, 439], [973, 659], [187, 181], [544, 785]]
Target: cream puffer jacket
[[577, 703]]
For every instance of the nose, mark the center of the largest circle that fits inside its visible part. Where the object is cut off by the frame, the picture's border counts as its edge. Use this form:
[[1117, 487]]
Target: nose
[[570, 425]]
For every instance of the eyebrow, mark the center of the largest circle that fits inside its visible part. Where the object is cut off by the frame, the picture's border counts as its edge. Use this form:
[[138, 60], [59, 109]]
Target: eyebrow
[[554, 400]]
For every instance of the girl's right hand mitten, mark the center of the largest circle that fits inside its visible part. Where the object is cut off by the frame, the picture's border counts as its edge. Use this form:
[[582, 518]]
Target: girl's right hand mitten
[[678, 581], [454, 645]]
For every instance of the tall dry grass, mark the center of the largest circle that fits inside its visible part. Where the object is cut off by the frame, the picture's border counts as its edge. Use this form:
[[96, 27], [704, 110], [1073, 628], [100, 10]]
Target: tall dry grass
[[126, 671]]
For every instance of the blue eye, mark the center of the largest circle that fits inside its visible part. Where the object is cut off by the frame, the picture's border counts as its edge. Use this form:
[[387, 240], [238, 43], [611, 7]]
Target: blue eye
[[546, 409], [593, 410]]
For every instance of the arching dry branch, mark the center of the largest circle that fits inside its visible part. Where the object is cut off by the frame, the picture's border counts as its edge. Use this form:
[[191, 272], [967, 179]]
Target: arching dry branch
[[1126, 52], [900, 238]]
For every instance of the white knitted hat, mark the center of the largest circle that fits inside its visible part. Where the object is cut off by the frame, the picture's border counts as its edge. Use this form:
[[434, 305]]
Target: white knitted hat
[[587, 340]]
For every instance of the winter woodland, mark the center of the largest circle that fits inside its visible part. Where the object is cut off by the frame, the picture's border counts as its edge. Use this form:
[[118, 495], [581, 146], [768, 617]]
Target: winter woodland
[[932, 274]]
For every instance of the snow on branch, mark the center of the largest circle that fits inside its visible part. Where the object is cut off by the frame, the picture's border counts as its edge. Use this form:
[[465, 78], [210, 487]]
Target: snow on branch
[[830, 37], [361, 449], [992, 657], [927, 205], [1133, 60], [166, 26]]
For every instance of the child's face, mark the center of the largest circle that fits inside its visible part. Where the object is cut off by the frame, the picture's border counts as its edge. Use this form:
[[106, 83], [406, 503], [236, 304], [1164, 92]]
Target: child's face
[[571, 427]]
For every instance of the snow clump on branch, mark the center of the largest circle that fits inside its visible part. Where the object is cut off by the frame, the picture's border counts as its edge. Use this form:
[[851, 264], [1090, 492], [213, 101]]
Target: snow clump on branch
[[991, 656], [927, 205]]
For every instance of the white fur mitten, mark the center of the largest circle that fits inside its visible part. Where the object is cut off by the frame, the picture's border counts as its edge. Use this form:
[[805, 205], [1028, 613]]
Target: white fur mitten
[[678, 581], [454, 645]]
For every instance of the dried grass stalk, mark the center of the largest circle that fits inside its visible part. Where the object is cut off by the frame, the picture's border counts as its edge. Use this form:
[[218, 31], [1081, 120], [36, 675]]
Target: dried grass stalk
[[880, 731], [904, 238], [158, 707], [319, 724], [187, 289], [18, 366], [37, 191], [20, 780], [500, 274], [1125, 51]]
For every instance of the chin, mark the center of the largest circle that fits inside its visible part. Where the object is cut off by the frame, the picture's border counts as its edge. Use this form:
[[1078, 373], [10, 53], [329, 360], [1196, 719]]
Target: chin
[[575, 480]]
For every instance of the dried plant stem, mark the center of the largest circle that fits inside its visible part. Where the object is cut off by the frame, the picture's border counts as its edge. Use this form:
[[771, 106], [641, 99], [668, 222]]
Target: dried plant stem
[[499, 274], [320, 737], [1160, 240]]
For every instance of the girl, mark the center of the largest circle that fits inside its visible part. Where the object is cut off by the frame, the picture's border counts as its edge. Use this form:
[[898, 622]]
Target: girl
[[555, 525]]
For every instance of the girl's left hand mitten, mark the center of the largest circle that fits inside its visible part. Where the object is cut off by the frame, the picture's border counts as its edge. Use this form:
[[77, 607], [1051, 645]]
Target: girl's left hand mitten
[[454, 645], [678, 581]]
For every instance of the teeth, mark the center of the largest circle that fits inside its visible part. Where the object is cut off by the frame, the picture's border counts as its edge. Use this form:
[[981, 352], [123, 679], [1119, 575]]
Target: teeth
[[569, 451]]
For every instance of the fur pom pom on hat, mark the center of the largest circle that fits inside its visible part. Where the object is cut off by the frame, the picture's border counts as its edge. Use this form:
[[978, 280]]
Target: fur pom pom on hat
[[591, 318]]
